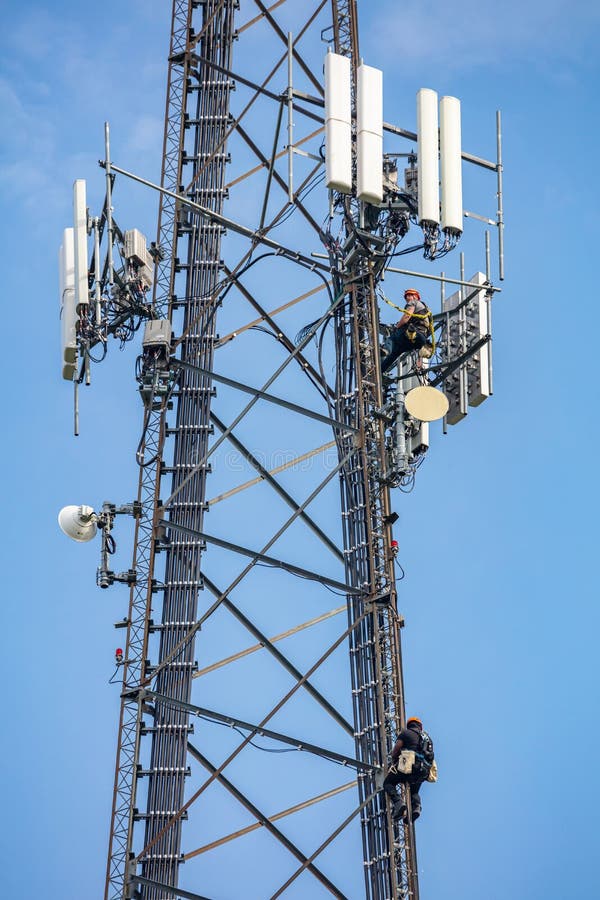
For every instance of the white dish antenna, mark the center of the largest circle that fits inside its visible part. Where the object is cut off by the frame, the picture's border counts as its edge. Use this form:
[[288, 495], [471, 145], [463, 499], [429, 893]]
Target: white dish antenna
[[78, 523], [426, 403]]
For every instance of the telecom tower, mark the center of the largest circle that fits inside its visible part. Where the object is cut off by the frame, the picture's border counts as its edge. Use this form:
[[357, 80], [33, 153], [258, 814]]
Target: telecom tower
[[279, 216]]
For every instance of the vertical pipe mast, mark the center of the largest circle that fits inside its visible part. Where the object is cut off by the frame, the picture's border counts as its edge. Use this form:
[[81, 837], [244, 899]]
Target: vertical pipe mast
[[290, 111], [500, 215]]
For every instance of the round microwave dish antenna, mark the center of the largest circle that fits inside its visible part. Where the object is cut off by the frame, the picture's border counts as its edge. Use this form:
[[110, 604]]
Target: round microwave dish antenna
[[78, 523], [426, 403]]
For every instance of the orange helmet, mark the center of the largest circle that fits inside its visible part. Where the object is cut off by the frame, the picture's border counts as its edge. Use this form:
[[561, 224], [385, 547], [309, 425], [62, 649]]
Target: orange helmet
[[412, 291], [414, 719]]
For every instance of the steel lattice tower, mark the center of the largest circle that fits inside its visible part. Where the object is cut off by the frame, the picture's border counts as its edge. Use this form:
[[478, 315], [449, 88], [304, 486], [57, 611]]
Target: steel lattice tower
[[196, 122], [334, 702]]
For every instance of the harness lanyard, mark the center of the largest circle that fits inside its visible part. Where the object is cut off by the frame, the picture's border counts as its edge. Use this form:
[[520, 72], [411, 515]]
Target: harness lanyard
[[415, 315]]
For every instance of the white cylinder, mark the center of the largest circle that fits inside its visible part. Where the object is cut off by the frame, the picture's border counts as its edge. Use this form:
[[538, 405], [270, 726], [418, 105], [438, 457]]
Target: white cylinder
[[427, 157], [369, 99], [451, 165], [338, 123], [369, 167], [369, 127], [80, 238], [68, 310], [338, 156]]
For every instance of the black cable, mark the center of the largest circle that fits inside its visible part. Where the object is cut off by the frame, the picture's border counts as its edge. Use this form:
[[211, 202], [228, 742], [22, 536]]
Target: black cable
[[242, 734], [259, 746], [304, 577], [287, 213], [403, 573], [138, 453], [102, 358]]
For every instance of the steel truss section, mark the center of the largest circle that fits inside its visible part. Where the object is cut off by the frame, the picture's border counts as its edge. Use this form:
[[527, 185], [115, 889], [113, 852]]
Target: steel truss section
[[349, 705], [205, 102], [376, 665], [345, 28]]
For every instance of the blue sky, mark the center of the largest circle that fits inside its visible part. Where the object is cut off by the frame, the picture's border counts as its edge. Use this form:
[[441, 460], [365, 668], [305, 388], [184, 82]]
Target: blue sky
[[498, 539]]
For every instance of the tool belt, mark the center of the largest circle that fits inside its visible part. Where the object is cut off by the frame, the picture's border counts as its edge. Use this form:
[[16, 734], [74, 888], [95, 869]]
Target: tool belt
[[405, 762], [408, 760]]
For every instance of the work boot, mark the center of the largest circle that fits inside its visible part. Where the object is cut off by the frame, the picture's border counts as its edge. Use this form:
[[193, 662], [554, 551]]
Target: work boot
[[387, 385], [399, 810]]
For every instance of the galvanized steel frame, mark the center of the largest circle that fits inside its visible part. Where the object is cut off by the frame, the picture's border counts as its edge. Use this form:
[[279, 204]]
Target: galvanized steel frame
[[373, 627]]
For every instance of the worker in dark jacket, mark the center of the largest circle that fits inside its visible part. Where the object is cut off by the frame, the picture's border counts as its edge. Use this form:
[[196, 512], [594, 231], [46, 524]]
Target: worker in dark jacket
[[410, 738], [412, 332]]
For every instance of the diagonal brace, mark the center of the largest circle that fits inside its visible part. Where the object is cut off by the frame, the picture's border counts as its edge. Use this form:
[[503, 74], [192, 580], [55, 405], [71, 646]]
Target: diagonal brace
[[239, 578], [299, 744], [264, 820], [322, 847], [353, 625], [313, 330], [261, 557], [262, 395], [281, 336], [279, 656], [278, 31], [266, 476]]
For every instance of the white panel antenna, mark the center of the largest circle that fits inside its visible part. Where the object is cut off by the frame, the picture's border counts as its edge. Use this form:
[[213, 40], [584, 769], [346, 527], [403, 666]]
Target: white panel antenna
[[427, 156], [467, 327], [80, 243], [68, 310], [369, 127], [480, 365], [451, 165], [338, 123]]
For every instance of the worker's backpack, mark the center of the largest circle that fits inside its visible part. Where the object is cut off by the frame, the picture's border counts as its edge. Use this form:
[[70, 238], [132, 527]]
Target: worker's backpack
[[426, 748]]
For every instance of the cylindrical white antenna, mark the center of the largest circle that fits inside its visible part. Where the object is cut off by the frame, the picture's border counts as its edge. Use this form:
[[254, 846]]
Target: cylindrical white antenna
[[68, 311], [369, 129], [338, 123], [80, 236], [427, 157], [451, 165]]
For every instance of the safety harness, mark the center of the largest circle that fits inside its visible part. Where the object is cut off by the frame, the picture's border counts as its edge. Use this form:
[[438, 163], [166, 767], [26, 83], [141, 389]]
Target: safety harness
[[411, 333]]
